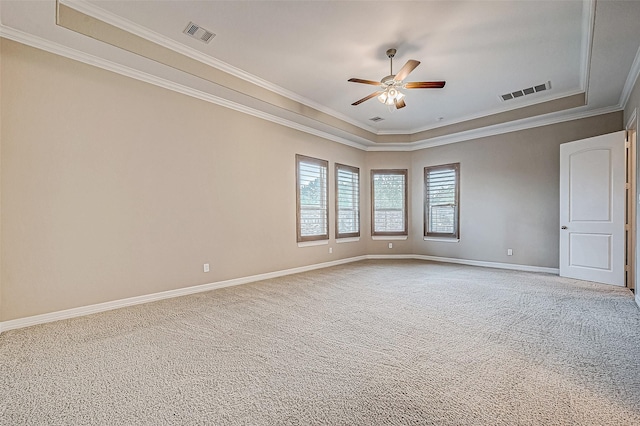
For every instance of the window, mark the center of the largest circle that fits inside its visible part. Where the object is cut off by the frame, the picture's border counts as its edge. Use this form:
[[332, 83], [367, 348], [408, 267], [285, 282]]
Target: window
[[347, 201], [389, 202], [312, 194], [441, 201]]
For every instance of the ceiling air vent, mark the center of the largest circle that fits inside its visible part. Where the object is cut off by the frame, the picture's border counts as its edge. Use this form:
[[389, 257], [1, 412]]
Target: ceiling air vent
[[196, 31], [527, 91], [376, 119]]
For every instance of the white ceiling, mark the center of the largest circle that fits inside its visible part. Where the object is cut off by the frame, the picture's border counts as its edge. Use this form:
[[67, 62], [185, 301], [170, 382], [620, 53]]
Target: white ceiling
[[308, 49]]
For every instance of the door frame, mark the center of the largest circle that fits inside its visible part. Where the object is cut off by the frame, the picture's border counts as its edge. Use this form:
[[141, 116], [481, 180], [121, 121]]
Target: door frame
[[632, 210]]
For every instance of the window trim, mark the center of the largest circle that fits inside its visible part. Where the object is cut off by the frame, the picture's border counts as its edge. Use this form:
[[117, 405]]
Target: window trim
[[322, 163], [455, 236], [355, 170], [405, 173]]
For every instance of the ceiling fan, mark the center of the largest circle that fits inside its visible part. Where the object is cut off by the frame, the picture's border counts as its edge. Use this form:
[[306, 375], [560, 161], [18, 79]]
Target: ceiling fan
[[390, 85]]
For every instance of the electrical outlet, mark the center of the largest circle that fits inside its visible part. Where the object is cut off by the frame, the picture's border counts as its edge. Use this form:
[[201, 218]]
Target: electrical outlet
[[330, 250], [390, 245], [206, 267], [509, 252]]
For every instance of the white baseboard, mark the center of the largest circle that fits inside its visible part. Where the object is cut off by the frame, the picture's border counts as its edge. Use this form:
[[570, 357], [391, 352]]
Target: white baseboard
[[121, 303], [390, 256], [638, 299], [484, 264]]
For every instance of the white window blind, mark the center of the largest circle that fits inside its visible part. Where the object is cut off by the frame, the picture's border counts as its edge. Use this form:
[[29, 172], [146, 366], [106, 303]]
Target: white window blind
[[389, 202], [312, 195], [441, 201], [347, 201]]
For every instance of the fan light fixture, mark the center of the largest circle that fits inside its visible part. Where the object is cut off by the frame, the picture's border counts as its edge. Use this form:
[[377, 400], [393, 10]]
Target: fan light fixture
[[389, 93], [390, 96]]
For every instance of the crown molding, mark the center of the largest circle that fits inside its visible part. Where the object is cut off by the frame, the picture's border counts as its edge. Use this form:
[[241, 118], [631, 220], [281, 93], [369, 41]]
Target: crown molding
[[514, 126], [366, 145], [351, 140], [498, 129], [483, 115], [67, 52], [112, 19], [133, 28]]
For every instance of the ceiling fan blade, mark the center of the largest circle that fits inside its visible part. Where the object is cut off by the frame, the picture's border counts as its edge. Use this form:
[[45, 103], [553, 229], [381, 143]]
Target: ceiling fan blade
[[406, 69], [359, 80], [366, 98], [400, 103], [425, 85]]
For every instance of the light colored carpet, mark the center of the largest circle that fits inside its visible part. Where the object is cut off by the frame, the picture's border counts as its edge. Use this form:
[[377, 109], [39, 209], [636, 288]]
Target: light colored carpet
[[369, 343]]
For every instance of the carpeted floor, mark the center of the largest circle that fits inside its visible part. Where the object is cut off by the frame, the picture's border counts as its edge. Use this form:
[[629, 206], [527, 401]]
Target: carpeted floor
[[369, 343]]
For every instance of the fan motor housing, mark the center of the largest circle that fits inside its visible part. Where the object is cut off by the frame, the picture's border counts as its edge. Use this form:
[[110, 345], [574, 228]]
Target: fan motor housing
[[388, 80]]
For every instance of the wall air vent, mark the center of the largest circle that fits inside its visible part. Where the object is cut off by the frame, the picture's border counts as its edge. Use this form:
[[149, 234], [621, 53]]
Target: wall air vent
[[527, 91], [376, 119], [197, 32]]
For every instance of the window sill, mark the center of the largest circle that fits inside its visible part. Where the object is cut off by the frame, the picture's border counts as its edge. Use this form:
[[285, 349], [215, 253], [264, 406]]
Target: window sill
[[389, 237], [443, 240], [348, 240], [313, 243]]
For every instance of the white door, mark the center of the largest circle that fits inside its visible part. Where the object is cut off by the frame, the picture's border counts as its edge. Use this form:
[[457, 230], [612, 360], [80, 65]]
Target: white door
[[592, 209]]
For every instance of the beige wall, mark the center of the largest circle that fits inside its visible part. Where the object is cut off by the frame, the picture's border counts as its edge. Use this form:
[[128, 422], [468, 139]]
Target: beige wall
[[633, 103], [1, 80], [509, 191], [113, 188]]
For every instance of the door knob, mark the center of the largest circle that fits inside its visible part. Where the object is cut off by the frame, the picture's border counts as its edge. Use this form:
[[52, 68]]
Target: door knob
[[564, 227]]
